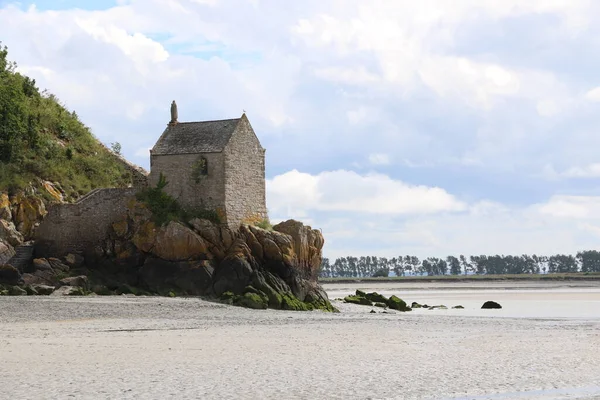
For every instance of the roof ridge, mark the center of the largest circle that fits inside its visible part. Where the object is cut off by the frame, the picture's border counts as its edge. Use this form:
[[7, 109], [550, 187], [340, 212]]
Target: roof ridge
[[212, 120]]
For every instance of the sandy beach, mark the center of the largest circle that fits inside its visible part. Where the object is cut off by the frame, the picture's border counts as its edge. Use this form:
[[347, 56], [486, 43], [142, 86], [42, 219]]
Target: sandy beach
[[186, 348]]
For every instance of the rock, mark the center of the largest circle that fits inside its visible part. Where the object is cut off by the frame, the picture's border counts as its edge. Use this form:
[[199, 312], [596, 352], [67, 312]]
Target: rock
[[415, 305], [145, 236], [16, 291], [317, 297], [46, 277], [395, 303], [260, 283], [490, 305], [376, 297], [41, 264], [373, 312], [5, 212], [9, 275], [30, 290], [53, 191], [10, 234], [80, 281], [58, 265], [44, 290], [291, 303], [27, 212], [252, 300], [69, 291], [459, 307], [358, 300], [6, 252], [192, 277], [381, 305], [440, 307], [271, 251], [307, 244], [74, 260], [232, 275], [175, 242], [121, 228], [208, 230]]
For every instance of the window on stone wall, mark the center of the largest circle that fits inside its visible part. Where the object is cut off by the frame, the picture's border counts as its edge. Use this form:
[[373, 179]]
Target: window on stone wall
[[200, 169]]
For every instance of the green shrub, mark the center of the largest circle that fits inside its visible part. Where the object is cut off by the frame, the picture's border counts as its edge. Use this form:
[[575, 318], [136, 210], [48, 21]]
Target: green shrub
[[165, 208]]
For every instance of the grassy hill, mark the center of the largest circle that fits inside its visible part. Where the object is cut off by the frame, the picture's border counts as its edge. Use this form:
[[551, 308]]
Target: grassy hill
[[41, 139]]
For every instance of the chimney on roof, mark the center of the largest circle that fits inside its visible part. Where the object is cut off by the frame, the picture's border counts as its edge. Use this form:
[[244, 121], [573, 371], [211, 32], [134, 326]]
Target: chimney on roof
[[173, 113]]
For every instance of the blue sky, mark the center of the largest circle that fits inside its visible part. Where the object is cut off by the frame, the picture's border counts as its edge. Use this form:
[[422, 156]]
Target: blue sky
[[398, 127]]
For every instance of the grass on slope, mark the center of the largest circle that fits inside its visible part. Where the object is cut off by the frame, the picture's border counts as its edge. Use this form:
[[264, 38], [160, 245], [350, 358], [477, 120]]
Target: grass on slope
[[39, 138]]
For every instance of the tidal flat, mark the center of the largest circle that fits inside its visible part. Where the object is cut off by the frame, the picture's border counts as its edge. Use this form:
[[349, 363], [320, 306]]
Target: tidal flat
[[543, 344]]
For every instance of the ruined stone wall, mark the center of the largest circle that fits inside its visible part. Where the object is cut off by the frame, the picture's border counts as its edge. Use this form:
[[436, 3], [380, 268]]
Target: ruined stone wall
[[139, 176], [208, 192], [73, 228], [245, 198]]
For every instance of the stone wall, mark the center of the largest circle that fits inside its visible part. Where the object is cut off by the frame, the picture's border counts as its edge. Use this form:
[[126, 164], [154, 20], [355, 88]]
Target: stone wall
[[245, 198], [178, 170], [139, 176], [74, 228]]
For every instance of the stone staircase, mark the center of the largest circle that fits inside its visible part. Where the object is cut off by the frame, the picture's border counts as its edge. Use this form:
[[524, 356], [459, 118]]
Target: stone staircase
[[23, 256]]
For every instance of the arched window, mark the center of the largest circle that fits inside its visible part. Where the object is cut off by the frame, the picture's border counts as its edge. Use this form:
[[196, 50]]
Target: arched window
[[200, 169]]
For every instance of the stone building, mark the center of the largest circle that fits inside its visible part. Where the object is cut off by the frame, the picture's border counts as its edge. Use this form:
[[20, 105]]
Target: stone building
[[216, 165]]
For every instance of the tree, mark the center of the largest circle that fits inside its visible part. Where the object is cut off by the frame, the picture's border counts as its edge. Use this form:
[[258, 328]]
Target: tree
[[382, 273], [116, 147], [454, 264]]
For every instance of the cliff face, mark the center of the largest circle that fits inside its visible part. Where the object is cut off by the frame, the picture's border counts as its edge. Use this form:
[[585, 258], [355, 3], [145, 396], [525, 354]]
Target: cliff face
[[276, 268]]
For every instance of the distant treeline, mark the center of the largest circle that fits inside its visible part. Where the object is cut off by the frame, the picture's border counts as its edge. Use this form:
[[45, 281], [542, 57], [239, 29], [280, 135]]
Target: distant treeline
[[360, 267]]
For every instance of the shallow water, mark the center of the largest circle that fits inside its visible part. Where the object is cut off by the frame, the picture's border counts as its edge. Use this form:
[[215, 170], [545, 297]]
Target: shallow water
[[162, 348], [564, 300]]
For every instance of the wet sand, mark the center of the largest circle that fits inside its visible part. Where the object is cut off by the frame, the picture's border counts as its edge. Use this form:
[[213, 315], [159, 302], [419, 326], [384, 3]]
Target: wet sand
[[161, 348]]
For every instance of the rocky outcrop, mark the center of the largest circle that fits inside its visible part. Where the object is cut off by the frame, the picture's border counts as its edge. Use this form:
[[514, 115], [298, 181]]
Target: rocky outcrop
[[279, 266]]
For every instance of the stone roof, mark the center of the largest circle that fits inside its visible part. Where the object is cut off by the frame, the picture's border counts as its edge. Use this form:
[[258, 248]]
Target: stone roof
[[195, 137]]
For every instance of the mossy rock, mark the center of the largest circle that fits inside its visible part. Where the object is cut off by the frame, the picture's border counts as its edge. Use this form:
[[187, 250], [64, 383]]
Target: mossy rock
[[227, 298], [102, 290], [17, 291], [252, 300], [291, 303], [260, 283], [415, 305], [376, 297], [459, 307], [360, 293], [440, 307], [358, 300], [4, 292], [396, 303], [382, 305], [30, 290]]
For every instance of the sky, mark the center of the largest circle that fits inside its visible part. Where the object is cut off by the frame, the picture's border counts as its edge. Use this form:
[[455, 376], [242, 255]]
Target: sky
[[396, 127]]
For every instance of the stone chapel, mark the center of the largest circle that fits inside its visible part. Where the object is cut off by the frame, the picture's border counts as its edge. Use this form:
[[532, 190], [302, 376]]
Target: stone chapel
[[218, 165]]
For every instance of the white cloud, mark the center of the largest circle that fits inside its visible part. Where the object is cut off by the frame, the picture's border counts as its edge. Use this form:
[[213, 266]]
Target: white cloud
[[589, 171], [577, 207], [347, 191], [593, 94], [379, 159]]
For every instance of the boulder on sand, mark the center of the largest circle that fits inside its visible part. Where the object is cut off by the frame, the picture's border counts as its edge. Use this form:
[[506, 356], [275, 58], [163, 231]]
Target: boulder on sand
[[490, 305]]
